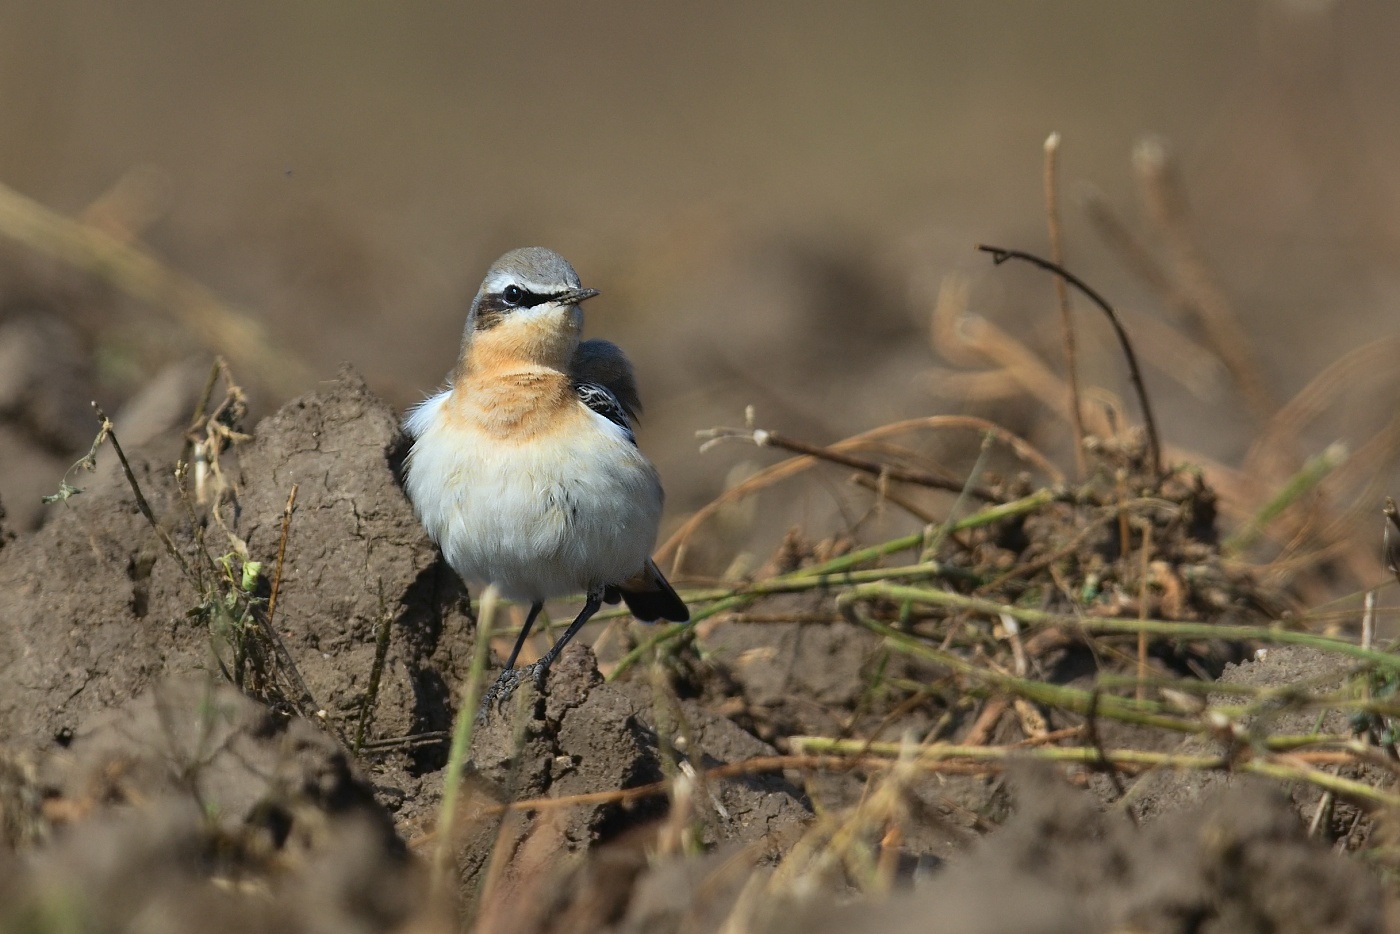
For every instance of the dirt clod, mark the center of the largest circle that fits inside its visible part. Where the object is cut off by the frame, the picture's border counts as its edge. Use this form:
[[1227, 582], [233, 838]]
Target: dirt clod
[[1241, 863], [195, 804]]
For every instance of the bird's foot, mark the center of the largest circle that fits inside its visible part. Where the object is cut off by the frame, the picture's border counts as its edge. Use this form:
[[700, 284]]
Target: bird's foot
[[511, 679]]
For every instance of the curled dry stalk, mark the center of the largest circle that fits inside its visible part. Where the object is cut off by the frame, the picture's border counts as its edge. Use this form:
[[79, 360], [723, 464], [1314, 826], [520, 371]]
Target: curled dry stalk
[[1154, 444]]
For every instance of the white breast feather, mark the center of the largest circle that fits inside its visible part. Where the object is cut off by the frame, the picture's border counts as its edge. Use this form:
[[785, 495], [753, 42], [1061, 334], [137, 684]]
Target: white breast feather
[[565, 514]]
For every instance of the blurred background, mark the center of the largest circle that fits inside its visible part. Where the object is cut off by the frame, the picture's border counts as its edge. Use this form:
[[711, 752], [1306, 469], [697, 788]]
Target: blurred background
[[770, 197]]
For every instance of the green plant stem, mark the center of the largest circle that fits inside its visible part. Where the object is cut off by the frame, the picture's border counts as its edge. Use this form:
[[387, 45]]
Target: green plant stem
[[1109, 625], [1092, 756], [462, 739], [1313, 472], [1076, 700], [826, 573]]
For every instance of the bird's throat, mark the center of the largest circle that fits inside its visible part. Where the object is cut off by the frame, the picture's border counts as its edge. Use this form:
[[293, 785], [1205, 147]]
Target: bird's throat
[[513, 380], [527, 341]]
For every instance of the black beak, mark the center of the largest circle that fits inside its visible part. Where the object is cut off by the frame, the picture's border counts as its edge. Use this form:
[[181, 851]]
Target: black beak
[[573, 296]]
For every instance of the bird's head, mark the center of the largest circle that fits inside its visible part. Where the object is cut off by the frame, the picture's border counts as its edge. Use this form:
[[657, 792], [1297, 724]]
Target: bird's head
[[527, 310]]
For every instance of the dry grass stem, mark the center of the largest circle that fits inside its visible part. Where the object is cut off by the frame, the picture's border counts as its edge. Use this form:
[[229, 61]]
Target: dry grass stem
[[674, 547], [1166, 205], [1057, 255], [129, 268]]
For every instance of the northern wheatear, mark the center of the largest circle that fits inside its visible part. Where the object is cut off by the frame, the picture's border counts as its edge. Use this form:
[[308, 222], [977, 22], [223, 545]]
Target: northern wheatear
[[525, 470]]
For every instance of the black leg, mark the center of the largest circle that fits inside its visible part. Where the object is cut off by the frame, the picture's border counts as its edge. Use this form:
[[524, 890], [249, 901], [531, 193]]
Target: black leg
[[512, 677], [524, 631], [595, 602]]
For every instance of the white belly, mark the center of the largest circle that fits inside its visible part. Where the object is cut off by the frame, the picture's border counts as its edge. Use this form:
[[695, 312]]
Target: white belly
[[557, 516]]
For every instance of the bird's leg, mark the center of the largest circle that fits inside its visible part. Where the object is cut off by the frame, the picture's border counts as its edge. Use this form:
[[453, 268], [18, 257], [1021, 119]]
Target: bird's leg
[[510, 678], [524, 631], [539, 668]]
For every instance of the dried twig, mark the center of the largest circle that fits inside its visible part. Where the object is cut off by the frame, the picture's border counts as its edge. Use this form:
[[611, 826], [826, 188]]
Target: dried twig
[[281, 555], [1001, 255], [141, 503], [675, 545], [763, 438], [1166, 204]]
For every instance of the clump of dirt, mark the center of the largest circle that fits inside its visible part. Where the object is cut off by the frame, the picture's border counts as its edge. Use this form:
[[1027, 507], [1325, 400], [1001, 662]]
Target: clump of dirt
[[97, 609], [1239, 862], [93, 610], [355, 554], [586, 740], [194, 807], [1294, 668]]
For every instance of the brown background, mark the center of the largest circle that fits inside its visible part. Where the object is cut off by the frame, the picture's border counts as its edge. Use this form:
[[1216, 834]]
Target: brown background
[[762, 192]]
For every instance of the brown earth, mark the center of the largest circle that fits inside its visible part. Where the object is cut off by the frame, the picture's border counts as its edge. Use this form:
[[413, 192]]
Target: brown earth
[[141, 791]]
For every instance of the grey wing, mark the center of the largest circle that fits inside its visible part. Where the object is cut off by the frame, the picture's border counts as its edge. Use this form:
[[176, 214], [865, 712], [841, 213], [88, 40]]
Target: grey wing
[[603, 363], [601, 400]]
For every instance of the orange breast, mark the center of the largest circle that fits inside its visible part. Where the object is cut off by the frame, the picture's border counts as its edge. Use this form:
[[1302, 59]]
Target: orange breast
[[512, 383], [517, 406]]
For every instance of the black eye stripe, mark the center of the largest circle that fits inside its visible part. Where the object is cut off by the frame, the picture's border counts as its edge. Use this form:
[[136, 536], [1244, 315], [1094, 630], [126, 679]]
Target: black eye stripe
[[494, 306], [514, 296]]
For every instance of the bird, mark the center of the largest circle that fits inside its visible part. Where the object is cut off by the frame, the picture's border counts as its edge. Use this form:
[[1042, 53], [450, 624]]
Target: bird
[[525, 469]]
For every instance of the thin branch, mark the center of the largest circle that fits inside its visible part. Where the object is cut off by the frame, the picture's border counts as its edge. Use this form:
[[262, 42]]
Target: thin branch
[[1001, 255], [774, 473], [141, 502], [771, 439]]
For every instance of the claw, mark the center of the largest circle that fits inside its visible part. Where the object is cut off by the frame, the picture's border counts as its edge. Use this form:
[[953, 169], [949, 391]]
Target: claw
[[511, 679], [497, 694], [536, 672]]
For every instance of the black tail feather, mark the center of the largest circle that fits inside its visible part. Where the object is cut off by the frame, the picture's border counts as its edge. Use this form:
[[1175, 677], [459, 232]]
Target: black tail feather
[[649, 596]]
